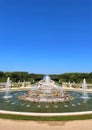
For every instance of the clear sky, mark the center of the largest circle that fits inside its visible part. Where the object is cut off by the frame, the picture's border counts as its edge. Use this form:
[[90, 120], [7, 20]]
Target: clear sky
[[46, 36]]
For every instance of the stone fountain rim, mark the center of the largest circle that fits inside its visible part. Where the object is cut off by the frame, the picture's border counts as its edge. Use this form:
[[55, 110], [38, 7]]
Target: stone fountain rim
[[45, 114]]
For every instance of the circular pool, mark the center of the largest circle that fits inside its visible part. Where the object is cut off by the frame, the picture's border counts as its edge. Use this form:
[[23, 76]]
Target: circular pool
[[14, 104]]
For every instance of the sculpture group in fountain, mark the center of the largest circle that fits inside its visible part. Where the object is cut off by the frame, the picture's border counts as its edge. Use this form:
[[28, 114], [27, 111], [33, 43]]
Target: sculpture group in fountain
[[46, 91]]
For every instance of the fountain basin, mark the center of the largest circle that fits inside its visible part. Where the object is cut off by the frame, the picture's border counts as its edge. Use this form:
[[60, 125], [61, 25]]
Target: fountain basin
[[76, 105], [45, 97]]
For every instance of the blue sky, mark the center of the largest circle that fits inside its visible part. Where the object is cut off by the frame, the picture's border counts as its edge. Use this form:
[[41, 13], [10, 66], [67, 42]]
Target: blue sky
[[46, 36]]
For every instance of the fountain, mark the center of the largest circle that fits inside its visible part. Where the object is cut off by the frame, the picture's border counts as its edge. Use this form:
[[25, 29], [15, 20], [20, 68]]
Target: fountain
[[23, 84], [84, 86], [45, 97], [46, 91], [7, 89], [47, 79]]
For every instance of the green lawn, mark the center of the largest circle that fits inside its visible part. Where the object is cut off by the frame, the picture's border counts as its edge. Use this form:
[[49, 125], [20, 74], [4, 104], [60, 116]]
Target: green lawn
[[37, 118]]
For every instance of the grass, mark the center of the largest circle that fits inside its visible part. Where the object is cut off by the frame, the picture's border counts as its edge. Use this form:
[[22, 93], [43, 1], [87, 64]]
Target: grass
[[39, 118]]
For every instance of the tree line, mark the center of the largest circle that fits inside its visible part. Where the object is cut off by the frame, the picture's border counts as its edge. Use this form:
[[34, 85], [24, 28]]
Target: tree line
[[31, 77]]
